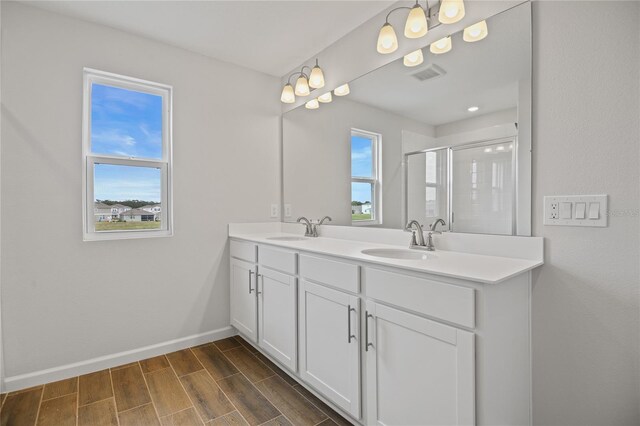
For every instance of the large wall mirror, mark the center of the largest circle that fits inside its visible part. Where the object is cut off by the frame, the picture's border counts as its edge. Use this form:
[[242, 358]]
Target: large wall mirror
[[449, 138]]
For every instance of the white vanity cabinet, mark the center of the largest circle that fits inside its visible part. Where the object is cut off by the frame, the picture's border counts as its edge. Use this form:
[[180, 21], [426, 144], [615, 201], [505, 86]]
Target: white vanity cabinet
[[419, 372], [277, 304], [329, 330], [387, 345], [244, 303]]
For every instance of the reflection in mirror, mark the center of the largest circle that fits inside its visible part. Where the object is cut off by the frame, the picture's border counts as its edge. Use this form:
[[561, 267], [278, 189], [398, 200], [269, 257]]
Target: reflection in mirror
[[412, 142]]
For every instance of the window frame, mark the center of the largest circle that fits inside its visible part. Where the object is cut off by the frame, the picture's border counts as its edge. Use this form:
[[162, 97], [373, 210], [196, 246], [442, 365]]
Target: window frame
[[89, 159], [375, 180]]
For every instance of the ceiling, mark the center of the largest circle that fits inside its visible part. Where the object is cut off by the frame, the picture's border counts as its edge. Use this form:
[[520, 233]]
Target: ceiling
[[272, 37], [483, 74]]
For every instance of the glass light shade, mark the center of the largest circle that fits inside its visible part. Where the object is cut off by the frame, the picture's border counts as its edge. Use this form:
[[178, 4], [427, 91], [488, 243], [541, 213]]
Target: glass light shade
[[441, 46], [302, 86], [316, 78], [413, 59], [475, 32], [451, 11], [387, 40], [312, 104], [326, 98], [288, 97], [416, 25], [342, 90]]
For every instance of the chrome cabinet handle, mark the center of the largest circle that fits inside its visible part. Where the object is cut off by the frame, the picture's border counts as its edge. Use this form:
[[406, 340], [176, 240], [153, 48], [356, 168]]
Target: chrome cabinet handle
[[258, 286], [349, 335], [366, 331], [250, 274]]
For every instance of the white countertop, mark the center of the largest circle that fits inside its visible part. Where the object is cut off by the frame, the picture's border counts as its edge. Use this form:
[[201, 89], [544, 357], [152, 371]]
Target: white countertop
[[465, 266]]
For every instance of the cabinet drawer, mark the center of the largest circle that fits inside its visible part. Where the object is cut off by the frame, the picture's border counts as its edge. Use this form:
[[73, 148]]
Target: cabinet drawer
[[278, 259], [445, 301], [243, 250], [337, 274]]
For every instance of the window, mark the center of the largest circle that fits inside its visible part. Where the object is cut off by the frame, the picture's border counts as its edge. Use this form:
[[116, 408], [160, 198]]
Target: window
[[127, 157], [365, 178]]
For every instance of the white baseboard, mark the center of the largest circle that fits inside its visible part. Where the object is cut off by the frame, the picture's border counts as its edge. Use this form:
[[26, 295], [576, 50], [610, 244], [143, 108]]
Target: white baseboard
[[62, 372]]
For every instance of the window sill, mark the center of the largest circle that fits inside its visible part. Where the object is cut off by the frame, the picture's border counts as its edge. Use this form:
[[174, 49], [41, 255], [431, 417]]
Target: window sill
[[125, 235], [365, 222]]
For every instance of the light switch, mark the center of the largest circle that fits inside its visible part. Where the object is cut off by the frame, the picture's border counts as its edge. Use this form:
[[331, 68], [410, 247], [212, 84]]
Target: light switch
[[565, 210], [594, 210], [581, 210]]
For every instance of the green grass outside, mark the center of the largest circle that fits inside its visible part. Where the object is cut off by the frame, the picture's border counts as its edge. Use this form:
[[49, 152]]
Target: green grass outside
[[126, 226], [361, 216]]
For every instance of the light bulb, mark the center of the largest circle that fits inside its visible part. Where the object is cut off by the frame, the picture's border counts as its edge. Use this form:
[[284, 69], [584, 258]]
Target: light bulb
[[473, 109], [441, 46], [387, 40], [475, 32], [413, 59], [451, 11], [416, 25], [288, 97], [342, 90], [326, 98], [302, 86], [316, 78], [312, 104]]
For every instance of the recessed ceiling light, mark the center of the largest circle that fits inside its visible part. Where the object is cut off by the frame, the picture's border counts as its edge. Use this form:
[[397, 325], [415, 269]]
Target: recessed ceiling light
[[473, 109]]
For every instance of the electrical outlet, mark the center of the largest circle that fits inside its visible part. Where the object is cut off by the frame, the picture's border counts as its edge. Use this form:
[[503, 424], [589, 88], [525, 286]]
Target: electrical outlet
[[575, 210], [275, 210], [287, 210], [553, 210]]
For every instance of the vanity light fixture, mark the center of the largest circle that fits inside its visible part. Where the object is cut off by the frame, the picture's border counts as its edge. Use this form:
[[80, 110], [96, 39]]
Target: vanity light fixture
[[473, 109], [326, 98], [416, 25], [488, 150], [500, 148], [288, 97], [475, 32], [312, 104], [413, 59], [451, 11], [387, 40], [316, 78], [341, 90], [304, 83], [441, 46], [302, 86]]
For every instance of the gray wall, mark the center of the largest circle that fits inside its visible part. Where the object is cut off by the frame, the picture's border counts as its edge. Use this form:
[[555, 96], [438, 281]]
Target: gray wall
[[65, 300], [586, 141]]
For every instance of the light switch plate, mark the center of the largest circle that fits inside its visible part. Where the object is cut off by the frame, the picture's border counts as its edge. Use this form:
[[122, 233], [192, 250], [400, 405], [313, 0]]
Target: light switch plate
[[287, 210], [576, 210], [275, 210]]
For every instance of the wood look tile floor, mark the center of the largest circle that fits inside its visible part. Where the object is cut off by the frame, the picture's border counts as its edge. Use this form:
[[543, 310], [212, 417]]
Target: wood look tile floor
[[223, 383]]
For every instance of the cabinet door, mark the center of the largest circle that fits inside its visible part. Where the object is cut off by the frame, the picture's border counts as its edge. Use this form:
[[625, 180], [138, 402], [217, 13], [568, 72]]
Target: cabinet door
[[244, 303], [329, 344], [277, 316], [419, 372]]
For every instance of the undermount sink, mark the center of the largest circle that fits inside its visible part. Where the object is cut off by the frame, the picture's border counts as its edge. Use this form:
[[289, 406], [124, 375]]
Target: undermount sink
[[398, 254], [286, 238]]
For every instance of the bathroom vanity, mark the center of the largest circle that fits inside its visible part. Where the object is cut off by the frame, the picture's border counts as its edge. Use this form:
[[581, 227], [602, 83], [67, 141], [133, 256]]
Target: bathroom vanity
[[387, 335]]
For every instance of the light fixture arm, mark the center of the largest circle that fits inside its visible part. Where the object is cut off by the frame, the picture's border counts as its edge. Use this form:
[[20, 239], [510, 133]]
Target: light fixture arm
[[386, 20], [298, 74]]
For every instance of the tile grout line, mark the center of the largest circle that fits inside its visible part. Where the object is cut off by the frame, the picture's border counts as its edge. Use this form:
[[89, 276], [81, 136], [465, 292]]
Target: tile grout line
[[316, 405], [113, 395], [219, 387], [39, 406], [185, 389], [144, 378]]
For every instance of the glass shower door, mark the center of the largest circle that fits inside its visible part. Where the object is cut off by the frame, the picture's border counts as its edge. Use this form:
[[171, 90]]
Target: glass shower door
[[483, 188]]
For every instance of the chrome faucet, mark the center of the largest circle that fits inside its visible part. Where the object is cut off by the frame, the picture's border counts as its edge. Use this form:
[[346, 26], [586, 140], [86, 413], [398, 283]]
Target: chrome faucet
[[311, 229], [315, 226], [418, 232], [308, 232], [432, 230]]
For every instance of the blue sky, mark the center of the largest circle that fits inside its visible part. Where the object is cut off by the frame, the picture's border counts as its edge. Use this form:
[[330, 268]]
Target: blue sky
[[361, 166], [128, 124]]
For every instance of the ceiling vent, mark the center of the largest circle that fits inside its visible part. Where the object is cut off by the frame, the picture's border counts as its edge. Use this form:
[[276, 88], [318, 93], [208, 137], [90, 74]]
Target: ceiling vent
[[429, 72]]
